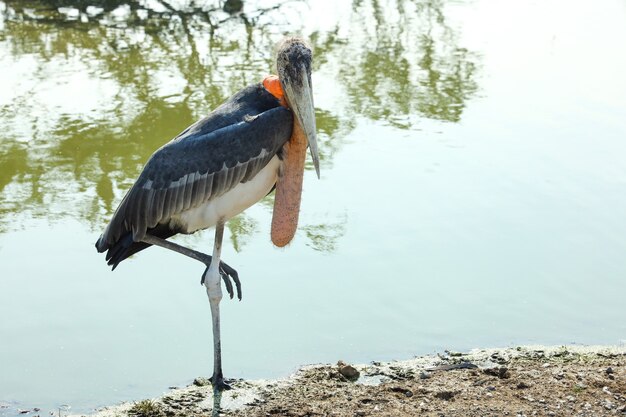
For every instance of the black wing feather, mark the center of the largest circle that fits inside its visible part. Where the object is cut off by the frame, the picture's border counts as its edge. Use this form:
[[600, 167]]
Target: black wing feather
[[206, 160]]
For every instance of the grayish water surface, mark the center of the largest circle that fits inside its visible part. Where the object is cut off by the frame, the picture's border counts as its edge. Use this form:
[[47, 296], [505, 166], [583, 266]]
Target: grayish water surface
[[473, 188]]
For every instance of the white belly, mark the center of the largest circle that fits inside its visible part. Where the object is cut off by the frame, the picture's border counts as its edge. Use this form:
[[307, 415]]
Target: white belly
[[231, 203]]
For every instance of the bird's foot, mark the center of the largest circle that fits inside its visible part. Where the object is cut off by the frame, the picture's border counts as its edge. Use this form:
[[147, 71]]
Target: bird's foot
[[219, 384], [228, 274]]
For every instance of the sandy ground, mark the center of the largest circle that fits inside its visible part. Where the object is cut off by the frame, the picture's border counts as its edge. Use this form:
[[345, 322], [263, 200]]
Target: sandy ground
[[523, 381]]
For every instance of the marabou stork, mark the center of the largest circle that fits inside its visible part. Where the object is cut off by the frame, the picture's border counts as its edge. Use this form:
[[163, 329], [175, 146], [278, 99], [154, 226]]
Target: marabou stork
[[216, 168]]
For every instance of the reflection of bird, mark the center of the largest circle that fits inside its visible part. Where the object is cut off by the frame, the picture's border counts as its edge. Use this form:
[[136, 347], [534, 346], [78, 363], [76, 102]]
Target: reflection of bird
[[220, 166]]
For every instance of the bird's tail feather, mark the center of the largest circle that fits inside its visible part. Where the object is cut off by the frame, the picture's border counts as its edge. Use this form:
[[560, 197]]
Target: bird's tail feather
[[126, 247]]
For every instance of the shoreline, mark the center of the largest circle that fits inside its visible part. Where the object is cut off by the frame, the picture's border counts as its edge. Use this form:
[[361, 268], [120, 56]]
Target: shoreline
[[521, 381]]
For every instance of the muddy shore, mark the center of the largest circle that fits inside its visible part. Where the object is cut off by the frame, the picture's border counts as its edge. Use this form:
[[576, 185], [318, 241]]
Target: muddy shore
[[522, 381]]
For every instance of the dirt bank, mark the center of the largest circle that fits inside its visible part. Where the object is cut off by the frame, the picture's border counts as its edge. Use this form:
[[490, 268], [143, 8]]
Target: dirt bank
[[524, 381]]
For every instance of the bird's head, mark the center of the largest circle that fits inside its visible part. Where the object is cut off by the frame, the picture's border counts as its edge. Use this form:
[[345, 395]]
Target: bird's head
[[293, 63]]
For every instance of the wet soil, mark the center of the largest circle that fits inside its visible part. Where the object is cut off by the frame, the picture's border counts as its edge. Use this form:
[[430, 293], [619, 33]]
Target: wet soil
[[524, 381]]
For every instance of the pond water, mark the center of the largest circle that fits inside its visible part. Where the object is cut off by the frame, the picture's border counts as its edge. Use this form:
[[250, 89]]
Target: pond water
[[473, 189]]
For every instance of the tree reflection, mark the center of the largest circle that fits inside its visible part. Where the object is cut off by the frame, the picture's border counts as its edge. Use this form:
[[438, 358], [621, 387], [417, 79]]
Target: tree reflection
[[409, 64], [147, 69]]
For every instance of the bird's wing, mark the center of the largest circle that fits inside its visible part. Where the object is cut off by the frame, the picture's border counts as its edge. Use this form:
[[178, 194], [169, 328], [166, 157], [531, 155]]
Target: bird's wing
[[195, 168]]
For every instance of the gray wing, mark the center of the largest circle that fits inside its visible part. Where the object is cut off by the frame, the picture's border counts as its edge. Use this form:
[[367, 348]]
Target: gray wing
[[195, 168]]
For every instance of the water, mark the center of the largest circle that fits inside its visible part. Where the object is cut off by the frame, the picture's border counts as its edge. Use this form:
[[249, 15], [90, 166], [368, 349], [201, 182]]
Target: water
[[472, 193]]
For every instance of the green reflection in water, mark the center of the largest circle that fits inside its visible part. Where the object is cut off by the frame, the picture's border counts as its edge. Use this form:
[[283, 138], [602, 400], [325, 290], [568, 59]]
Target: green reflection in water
[[324, 236], [96, 90]]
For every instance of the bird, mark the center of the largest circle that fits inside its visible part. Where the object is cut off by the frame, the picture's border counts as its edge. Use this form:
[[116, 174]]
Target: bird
[[253, 143]]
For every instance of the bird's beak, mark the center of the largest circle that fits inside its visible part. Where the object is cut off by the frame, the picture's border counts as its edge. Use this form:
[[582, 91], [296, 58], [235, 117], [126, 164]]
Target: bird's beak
[[299, 96]]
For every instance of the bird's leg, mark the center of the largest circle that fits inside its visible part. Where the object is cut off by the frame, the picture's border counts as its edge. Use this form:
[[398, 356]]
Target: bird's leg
[[226, 271], [213, 286]]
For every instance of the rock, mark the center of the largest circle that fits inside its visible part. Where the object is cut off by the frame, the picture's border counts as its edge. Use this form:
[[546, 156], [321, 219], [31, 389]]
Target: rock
[[445, 395], [522, 385], [498, 358], [570, 398], [501, 372], [609, 371], [406, 392], [424, 375], [348, 371], [201, 381]]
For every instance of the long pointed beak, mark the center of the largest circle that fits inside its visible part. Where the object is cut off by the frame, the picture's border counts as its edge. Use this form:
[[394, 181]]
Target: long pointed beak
[[300, 99]]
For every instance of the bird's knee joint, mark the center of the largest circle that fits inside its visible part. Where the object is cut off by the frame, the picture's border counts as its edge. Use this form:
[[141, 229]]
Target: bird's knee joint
[[214, 293], [213, 284]]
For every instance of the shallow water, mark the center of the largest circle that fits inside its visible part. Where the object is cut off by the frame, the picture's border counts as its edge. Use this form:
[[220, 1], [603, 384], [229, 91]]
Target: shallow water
[[472, 192]]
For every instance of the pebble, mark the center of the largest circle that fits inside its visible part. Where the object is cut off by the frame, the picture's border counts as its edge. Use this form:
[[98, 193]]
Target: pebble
[[348, 371], [445, 395], [558, 374], [406, 392], [201, 381], [501, 372]]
